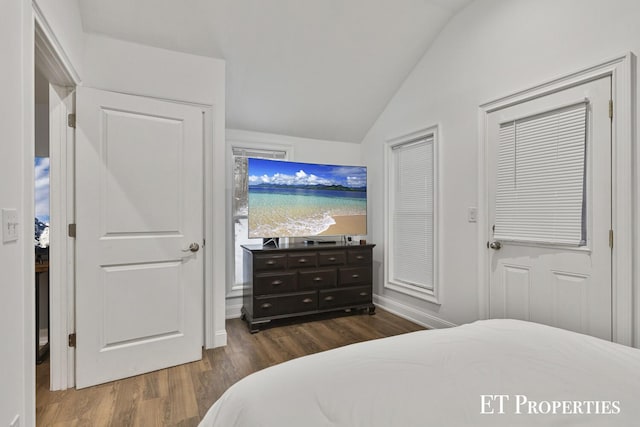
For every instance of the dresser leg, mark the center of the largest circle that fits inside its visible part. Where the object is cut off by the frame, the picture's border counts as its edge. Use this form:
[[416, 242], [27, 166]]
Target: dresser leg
[[372, 310], [255, 326]]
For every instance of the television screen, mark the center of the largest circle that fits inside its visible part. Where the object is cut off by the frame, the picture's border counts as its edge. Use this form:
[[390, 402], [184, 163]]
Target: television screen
[[292, 199]]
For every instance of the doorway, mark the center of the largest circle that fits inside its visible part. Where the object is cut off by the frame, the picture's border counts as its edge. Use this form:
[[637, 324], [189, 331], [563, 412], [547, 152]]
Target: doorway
[[55, 81], [61, 84]]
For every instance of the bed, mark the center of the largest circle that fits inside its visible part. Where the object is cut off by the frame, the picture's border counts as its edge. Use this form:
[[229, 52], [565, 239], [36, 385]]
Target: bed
[[490, 372]]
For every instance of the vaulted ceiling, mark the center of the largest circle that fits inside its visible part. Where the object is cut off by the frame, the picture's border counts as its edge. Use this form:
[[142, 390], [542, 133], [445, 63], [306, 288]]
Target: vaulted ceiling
[[320, 69]]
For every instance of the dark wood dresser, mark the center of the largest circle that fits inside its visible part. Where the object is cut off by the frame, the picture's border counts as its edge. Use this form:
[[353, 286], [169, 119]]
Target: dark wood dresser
[[301, 279]]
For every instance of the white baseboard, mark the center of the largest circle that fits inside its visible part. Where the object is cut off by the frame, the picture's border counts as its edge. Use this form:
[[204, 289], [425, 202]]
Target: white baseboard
[[233, 310], [411, 313], [220, 338], [395, 307]]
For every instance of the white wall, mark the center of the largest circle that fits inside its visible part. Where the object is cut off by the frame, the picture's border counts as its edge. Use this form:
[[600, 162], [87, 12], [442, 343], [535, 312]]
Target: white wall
[[63, 18], [301, 150], [17, 315], [127, 67], [491, 49], [41, 130], [16, 285], [132, 68], [41, 87]]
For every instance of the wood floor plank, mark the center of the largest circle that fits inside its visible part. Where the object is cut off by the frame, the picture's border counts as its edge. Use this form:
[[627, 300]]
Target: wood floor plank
[[180, 396], [182, 399], [128, 395], [151, 413]]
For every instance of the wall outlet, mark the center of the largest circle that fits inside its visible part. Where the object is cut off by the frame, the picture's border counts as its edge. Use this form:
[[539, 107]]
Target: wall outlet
[[15, 422], [9, 225], [472, 214]]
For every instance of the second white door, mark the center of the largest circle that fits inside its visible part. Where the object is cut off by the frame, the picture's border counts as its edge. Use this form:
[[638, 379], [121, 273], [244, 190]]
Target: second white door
[[550, 210]]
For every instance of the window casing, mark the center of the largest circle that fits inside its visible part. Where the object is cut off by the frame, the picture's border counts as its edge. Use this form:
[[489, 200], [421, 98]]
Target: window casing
[[411, 215]]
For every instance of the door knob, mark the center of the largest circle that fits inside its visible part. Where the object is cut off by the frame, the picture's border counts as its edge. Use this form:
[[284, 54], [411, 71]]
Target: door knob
[[194, 247], [494, 245]]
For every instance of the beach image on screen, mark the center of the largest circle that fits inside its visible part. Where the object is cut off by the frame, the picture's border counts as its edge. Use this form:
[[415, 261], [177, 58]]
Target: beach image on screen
[[292, 199]]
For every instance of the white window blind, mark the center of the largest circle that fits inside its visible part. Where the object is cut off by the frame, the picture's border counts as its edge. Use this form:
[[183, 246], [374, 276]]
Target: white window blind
[[255, 152], [540, 195], [412, 191]]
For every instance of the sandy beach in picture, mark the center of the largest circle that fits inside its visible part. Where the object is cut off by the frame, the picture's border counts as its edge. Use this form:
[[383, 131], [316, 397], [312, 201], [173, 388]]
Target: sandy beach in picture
[[347, 225]]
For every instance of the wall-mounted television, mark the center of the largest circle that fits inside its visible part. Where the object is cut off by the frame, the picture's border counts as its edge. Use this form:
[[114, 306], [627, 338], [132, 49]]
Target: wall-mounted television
[[293, 199]]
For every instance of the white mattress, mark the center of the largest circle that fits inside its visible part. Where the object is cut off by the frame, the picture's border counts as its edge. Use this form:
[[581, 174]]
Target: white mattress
[[438, 378]]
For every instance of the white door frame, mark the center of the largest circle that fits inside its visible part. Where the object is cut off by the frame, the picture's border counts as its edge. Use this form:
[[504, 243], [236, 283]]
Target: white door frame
[[622, 72], [58, 69]]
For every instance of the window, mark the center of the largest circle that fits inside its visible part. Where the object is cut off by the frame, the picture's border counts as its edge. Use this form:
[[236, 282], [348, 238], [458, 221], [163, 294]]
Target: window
[[411, 234], [240, 202]]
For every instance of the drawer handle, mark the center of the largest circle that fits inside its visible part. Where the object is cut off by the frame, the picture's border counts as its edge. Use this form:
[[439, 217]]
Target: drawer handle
[[364, 294], [328, 298], [317, 279], [276, 283], [332, 258], [266, 305], [302, 260], [355, 276], [307, 300], [270, 262], [360, 257]]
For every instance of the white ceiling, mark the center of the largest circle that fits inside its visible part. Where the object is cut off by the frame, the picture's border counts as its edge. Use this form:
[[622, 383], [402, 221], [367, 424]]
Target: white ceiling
[[320, 69]]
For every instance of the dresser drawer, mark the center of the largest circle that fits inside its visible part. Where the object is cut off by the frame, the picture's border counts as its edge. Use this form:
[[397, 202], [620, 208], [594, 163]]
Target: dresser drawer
[[285, 304], [332, 258], [314, 279], [269, 283], [302, 259], [359, 257], [354, 275], [270, 262], [331, 298]]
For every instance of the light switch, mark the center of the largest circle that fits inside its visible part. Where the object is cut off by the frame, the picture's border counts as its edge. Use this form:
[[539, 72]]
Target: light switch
[[9, 225], [472, 214]]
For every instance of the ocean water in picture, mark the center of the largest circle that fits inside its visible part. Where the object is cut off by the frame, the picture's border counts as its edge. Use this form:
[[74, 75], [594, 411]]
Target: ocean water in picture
[[289, 199], [299, 212]]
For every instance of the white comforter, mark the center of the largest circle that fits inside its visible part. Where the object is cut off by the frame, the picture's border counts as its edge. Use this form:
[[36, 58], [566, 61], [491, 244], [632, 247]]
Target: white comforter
[[443, 378]]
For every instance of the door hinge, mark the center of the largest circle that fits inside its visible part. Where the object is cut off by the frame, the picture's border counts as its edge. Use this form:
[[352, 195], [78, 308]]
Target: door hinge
[[611, 108], [72, 340], [611, 239], [72, 230], [71, 120]]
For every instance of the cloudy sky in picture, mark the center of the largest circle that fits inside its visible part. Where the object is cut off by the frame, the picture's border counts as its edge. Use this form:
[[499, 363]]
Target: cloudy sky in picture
[[42, 189], [266, 171]]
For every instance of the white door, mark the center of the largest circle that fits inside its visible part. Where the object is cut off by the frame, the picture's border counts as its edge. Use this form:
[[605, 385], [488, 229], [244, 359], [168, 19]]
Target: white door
[[139, 186], [550, 210]]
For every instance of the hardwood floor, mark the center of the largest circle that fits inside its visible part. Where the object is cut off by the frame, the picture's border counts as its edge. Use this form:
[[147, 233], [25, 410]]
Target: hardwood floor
[[180, 396]]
